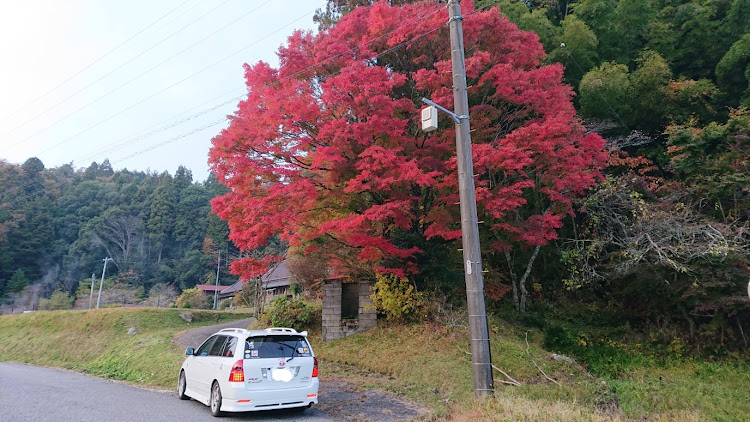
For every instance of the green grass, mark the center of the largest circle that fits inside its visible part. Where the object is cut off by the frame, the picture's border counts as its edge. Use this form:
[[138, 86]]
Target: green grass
[[427, 363], [430, 365], [96, 341]]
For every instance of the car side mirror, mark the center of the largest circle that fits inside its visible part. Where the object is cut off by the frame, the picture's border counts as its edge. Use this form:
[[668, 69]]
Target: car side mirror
[[190, 352]]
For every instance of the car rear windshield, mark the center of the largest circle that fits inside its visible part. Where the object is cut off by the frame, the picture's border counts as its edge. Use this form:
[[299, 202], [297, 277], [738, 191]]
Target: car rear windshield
[[279, 346]]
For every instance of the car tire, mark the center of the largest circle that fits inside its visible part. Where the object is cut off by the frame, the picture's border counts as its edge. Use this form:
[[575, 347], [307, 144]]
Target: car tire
[[215, 401], [182, 386]]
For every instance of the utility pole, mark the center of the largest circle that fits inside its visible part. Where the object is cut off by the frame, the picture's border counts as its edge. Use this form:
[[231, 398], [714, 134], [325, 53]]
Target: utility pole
[[481, 358], [101, 283], [216, 290], [91, 296]]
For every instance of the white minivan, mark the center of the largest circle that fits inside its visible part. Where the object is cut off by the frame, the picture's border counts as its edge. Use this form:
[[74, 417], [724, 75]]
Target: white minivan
[[237, 370]]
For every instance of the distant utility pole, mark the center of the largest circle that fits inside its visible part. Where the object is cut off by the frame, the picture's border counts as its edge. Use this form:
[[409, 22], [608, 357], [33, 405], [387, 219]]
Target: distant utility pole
[[481, 358], [216, 290], [91, 296], [101, 283]]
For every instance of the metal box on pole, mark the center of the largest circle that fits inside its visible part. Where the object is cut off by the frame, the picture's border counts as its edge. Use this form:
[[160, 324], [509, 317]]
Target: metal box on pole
[[429, 118]]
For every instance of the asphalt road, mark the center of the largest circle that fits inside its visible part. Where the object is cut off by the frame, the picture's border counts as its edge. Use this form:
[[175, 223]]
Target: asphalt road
[[30, 393]]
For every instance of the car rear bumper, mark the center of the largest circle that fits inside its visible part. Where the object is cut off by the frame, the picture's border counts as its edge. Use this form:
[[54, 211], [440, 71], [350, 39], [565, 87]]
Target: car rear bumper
[[238, 399]]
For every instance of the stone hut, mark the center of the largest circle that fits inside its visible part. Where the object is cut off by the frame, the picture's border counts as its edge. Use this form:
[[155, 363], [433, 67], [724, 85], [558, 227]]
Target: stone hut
[[347, 308]]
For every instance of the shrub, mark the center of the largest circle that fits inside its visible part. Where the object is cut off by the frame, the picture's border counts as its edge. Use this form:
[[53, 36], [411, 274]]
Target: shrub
[[59, 300], [297, 314], [193, 298], [396, 298]]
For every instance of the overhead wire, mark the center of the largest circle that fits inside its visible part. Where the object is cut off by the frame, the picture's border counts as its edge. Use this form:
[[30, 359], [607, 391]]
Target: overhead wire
[[91, 127], [98, 59], [168, 141], [109, 73], [308, 68], [169, 87], [157, 127], [295, 74]]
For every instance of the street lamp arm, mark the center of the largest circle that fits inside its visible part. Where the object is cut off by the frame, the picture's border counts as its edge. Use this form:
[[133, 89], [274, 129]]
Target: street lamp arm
[[456, 118]]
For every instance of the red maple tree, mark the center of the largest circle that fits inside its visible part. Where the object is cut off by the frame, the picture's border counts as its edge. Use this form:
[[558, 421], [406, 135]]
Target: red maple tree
[[327, 148]]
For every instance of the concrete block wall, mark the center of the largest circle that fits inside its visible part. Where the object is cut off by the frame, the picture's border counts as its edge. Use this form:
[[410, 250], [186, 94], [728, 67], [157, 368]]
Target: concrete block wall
[[368, 316], [333, 325], [332, 310]]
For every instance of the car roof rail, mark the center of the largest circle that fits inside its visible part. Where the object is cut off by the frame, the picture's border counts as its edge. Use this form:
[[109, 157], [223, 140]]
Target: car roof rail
[[281, 330]]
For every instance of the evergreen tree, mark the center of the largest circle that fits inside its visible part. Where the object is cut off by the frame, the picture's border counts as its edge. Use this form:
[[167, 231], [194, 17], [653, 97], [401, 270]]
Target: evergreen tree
[[161, 220], [18, 281]]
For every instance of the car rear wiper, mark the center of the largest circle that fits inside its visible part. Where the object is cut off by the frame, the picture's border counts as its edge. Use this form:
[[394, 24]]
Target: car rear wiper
[[294, 349]]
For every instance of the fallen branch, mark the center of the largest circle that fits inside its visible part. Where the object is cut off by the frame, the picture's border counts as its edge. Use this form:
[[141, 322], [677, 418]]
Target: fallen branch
[[511, 382], [534, 362]]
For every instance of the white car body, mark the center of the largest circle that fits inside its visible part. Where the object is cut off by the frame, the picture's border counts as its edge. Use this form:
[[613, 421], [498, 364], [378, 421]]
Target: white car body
[[266, 369]]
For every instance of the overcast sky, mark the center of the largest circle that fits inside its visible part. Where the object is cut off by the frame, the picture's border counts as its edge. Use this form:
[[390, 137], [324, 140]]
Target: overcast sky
[[75, 88]]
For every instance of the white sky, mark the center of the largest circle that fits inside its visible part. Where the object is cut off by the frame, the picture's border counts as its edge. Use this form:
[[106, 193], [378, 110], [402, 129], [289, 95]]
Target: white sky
[[45, 42]]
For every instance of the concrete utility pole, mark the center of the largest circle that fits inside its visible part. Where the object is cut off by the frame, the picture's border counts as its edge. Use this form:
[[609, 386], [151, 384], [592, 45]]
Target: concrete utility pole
[[101, 283], [91, 296], [218, 265], [481, 358]]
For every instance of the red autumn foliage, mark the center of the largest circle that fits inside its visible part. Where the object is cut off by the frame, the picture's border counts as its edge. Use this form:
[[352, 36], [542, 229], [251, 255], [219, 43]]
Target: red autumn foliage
[[327, 148]]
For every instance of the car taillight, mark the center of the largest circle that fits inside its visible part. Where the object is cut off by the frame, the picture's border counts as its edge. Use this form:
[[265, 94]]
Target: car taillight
[[315, 367], [238, 372]]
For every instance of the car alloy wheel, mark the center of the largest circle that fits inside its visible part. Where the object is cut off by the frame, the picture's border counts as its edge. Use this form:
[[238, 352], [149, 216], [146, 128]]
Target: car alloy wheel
[[181, 386], [216, 399]]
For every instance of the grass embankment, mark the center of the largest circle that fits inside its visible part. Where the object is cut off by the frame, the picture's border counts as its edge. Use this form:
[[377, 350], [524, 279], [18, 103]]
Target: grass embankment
[[426, 363], [431, 365], [97, 341]]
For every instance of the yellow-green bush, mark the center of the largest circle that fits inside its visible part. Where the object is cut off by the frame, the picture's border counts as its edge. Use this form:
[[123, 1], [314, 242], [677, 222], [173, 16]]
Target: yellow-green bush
[[192, 298], [396, 298]]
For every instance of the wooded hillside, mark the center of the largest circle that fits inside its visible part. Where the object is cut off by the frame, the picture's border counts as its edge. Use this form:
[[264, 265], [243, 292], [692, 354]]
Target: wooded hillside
[[57, 225]]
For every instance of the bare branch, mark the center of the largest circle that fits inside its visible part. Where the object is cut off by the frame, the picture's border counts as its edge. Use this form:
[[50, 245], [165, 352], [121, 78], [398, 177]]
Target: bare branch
[[534, 362], [511, 382]]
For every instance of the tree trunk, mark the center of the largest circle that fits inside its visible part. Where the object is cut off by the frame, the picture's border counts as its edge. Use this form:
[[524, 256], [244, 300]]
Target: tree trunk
[[513, 280], [522, 284], [742, 332], [690, 321]]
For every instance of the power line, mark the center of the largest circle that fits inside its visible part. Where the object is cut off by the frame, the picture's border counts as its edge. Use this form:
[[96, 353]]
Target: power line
[[389, 50], [290, 76], [206, 68], [164, 89], [107, 74], [96, 61], [157, 128], [184, 135]]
